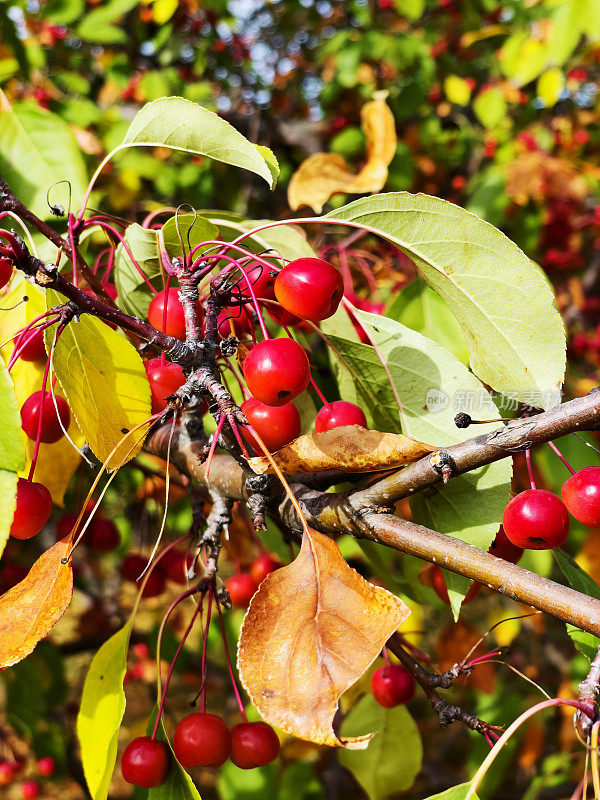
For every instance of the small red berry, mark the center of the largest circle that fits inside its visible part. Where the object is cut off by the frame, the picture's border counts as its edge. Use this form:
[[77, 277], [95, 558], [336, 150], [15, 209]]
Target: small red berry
[[236, 316], [46, 766], [6, 268], [30, 790], [439, 586], [34, 504], [175, 324], [241, 588], [277, 371], [309, 288], [253, 744], [502, 547], [6, 773], [276, 425], [260, 280], [392, 685], [262, 566], [164, 378], [31, 347], [201, 740], [338, 414], [536, 520], [51, 430], [103, 535], [132, 567], [146, 762], [581, 495], [51, 424], [175, 565]]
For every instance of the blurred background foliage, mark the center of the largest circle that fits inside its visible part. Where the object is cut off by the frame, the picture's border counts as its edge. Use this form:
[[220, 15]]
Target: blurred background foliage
[[496, 107]]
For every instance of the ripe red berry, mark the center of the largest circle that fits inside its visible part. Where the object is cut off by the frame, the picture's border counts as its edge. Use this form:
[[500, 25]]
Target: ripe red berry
[[175, 565], [30, 790], [46, 766], [51, 427], [31, 347], [259, 279], [309, 288], [241, 588], [277, 371], [502, 547], [164, 380], [253, 744], [262, 566], [201, 740], [103, 535], [392, 685], [34, 504], [146, 762], [276, 425], [65, 525], [536, 520], [439, 586], [6, 268], [132, 567], [338, 414], [581, 495], [175, 325], [6, 773], [236, 316]]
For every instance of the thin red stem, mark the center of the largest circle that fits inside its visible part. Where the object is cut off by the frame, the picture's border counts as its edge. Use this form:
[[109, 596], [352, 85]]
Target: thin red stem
[[555, 449], [529, 468], [204, 646], [229, 667]]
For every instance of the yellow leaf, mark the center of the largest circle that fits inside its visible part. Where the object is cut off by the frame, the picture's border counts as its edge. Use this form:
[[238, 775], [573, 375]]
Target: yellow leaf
[[550, 85], [312, 629], [163, 10], [325, 174], [350, 449], [104, 381], [457, 90]]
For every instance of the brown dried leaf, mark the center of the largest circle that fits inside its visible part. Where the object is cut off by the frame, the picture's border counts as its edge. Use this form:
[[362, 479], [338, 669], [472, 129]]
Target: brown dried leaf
[[324, 174], [311, 631], [536, 176], [29, 610], [452, 646], [350, 448]]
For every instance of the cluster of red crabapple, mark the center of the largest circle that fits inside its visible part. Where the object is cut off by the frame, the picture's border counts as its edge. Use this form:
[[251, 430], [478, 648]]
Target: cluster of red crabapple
[[275, 371], [30, 789]]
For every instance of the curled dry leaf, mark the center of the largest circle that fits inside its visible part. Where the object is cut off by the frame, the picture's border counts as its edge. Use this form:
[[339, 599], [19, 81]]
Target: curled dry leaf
[[350, 449], [325, 174], [30, 610], [312, 629]]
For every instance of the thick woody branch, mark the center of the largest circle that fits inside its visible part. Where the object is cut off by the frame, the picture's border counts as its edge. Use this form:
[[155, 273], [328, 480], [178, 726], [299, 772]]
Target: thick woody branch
[[580, 414]]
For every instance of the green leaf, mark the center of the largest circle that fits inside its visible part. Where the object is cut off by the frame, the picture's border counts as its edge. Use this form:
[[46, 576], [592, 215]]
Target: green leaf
[[410, 8], [418, 307], [98, 25], [457, 90], [490, 107], [104, 381], [392, 760], [578, 579], [133, 294], [101, 712], [37, 149], [502, 301], [550, 85], [8, 503], [62, 12], [523, 58], [433, 385], [182, 125], [453, 793], [199, 230], [12, 450], [247, 784]]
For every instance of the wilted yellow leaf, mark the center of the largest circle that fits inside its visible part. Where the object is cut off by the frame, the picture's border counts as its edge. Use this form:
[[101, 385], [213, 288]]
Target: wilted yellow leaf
[[312, 629], [325, 174], [350, 449]]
